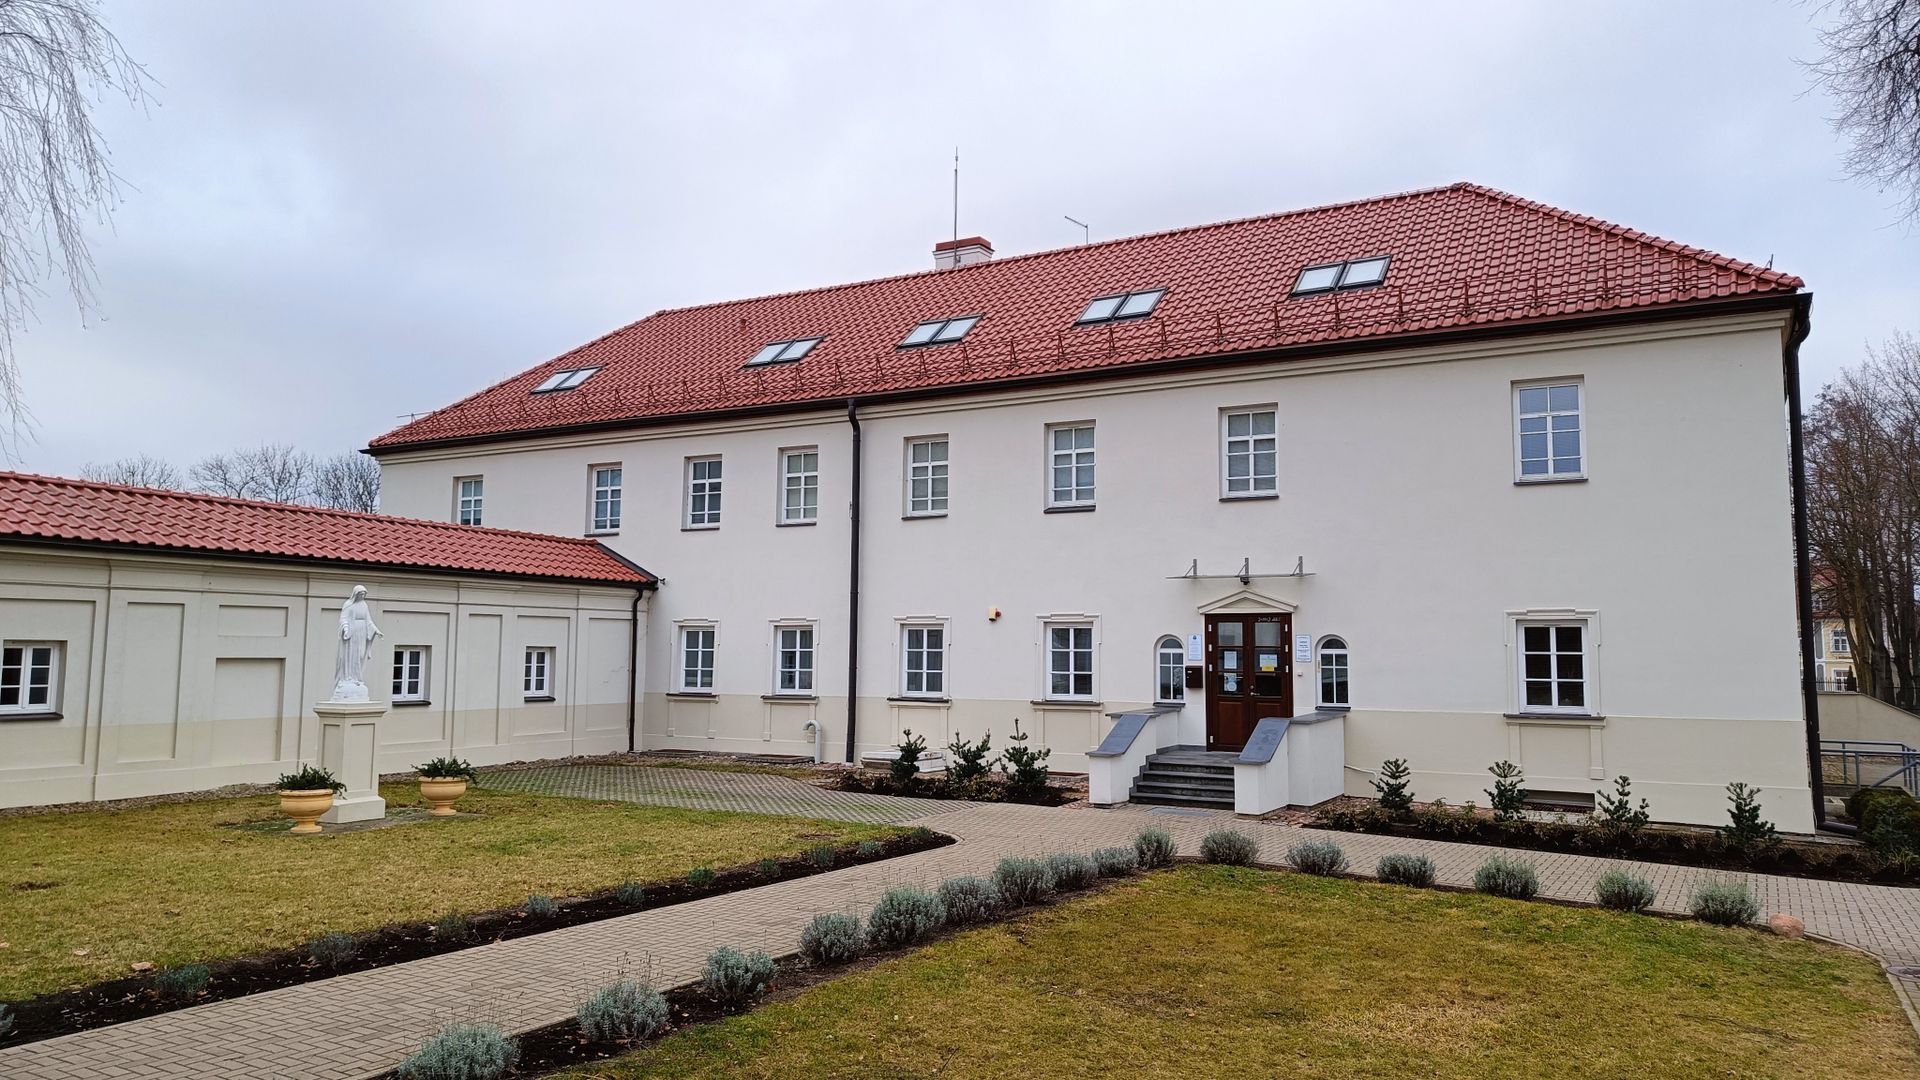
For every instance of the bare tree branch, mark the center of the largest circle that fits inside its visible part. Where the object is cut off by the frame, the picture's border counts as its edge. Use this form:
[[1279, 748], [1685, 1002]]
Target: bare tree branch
[[274, 472], [1871, 65], [348, 481], [143, 470]]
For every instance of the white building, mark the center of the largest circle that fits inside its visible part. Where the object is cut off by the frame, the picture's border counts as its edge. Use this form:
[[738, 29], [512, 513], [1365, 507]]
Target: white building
[[1500, 480]]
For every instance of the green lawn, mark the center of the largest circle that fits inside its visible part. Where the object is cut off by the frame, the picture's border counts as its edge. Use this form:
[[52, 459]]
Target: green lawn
[[1207, 971], [170, 885]]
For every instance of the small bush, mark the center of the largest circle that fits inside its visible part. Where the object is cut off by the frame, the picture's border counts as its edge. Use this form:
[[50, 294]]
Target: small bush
[[462, 1052], [540, 906], [6, 1021], [823, 856], [1616, 815], [903, 916], [184, 982], [625, 1011], [447, 768], [1724, 903], [1155, 848], [1071, 870], [630, 893], [452, 926], [968, 899], [701, 877], [870, 849], [734, 978], [920, 834], [1024, 767], [1116, 861], [1395, 799], [1322, 857], [967, 762], [1622, 891], [832, 938], [1228, 847], [1508, 796], [1511, 878], [905, 768], [1747, 831], [1415, 870], [332, 950], [767, 868], [1022, 881], [309, 778]]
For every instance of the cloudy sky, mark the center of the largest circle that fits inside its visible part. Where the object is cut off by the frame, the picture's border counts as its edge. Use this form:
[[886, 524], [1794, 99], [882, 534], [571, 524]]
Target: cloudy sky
[[339, 213]]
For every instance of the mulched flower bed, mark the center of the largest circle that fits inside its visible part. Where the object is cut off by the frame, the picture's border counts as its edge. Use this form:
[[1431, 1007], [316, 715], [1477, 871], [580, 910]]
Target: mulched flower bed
[[936, 786], [1824, 861], [120, 1000]]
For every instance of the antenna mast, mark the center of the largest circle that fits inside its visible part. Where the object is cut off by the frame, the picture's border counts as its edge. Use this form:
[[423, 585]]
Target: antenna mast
[[956, 194]]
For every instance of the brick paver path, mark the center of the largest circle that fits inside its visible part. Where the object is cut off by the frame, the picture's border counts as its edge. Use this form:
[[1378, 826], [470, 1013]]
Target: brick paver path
[[708, 789], [361, 1024]]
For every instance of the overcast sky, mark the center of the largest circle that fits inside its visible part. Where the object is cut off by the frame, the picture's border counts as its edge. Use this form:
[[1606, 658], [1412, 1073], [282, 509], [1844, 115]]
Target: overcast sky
[[339, 213]]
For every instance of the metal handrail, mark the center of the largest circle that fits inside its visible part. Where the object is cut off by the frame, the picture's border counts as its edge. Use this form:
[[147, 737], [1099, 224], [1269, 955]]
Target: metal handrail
[[1860, 759]]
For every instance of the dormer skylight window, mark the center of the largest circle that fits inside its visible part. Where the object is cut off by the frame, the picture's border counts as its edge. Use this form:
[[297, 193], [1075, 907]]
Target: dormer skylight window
[[939, 331], [781, 352], [1331, 277], [1133, 305], [565, 380]]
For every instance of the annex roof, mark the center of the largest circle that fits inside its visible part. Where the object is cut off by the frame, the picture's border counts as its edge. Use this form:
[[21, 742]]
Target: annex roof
[[1461, 257], [47, 508]]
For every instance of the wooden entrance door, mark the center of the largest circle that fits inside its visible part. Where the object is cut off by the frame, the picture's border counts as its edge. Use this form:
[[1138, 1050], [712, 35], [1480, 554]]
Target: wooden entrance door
[[1249, 675]]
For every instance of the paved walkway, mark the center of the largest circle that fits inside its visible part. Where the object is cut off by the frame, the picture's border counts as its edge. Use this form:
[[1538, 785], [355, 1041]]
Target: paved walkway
[[358, 1025], [707, 789]]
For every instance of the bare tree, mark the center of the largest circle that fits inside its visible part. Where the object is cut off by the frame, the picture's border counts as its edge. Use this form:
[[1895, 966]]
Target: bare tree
[[274, 472], [1871, 65], [349, 481], [56, 59], [141, 470], [1863, 510]]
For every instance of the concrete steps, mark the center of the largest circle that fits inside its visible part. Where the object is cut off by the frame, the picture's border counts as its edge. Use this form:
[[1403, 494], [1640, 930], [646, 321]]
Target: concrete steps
[[1186, 777]]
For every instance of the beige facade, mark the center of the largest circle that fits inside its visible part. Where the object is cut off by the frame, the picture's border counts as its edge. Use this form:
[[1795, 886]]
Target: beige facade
[[183, 673], [1833, 657], [1398, 496]]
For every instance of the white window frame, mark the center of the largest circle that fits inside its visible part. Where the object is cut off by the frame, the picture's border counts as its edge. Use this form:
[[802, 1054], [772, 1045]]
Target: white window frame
[[1259, 486], [537, 672], [922, 626], [1590, 642], [1841, 640], [1552, 416], [410, 666], [22, 677], [710, 651], [1321, 652], [1072, 623], [1161, 651], [710, 488], [932, 469], [1074, 458], [802, 640], [469, 509], [605, 497], [798, 485]]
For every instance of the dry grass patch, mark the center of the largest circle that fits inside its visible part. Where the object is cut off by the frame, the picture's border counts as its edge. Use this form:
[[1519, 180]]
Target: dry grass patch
[[85, 895], [1213, 971]]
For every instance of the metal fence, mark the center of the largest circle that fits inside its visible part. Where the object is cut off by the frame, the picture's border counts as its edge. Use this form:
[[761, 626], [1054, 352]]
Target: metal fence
[[1848, 765]]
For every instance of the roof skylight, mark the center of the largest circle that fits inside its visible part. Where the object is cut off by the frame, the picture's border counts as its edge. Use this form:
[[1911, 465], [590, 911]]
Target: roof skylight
[[1353, 274], [1133, 305], [939, 331], [565, 380], [781, 352]]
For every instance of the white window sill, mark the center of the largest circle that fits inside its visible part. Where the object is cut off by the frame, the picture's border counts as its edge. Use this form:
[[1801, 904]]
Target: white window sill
[[798, 699], [410, 703], [1529, 481], [1067, 703], [39, 714], [693, 695], [1249, 496], [794, 524], [1070, 508], [922, 702], [603, 532], [1563, 719], [923, 516], [701, 528], [538, 698]]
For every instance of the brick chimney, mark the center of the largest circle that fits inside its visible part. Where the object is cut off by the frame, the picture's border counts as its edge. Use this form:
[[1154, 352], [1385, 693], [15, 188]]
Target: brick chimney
[[965, 251]]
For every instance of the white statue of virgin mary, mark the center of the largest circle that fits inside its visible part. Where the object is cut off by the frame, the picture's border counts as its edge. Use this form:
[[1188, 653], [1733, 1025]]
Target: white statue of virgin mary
[[357, 632]]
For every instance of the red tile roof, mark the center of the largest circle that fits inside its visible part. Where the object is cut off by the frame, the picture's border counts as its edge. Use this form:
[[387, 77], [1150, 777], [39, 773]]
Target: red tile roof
[[47, 508], [1464, 257]]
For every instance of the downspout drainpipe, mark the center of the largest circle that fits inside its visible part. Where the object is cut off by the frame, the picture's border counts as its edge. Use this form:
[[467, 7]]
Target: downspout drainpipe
[[1803, 559], [853, 587], [633, 672]]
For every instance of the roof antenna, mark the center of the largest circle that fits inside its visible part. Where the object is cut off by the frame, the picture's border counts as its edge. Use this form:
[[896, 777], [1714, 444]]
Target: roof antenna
[[956, 195], [1086, 235]]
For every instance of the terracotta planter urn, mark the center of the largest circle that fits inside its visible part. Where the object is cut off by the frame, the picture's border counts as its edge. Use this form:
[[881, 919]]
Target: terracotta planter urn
[[440, 792], [305, 808]]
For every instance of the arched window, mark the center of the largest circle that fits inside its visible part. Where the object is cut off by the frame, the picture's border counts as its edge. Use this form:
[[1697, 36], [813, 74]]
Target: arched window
[[1333, 673], [1170, 671]]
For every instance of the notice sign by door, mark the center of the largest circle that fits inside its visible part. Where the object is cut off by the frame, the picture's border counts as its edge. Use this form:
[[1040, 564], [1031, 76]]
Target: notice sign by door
[[1303, 648], [1193, 648]]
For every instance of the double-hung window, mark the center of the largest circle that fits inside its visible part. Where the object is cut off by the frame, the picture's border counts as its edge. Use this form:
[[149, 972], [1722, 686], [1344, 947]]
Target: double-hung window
[[469, 494], [1249, 460], [1842, 644], [1070, 461], [1070, 661], [1548, 431], [923, 661], [29, 677], [1554, 674], [606, 498], [696, 659], [1170, 671], [1333, 673], [703, 493], [536, 677], [409, 674], [793, 659], [927, 476], [800, 486]]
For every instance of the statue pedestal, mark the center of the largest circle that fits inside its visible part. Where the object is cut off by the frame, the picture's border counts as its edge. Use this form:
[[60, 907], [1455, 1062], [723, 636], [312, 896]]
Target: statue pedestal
[[349, 739]]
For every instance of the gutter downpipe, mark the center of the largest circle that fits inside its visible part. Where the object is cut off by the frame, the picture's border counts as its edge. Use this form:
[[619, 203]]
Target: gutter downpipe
[[1803, 559], [853, 586], [633, 671]]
